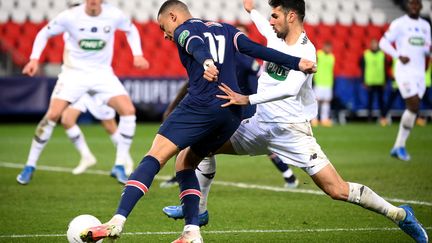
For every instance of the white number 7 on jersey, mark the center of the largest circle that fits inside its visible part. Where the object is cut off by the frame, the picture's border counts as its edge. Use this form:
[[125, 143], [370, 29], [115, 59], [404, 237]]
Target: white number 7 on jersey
[[217, 52]]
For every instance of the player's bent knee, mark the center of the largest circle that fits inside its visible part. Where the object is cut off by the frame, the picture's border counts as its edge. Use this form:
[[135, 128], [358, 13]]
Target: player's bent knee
[[53, 116], [127, 111], [336, 192]]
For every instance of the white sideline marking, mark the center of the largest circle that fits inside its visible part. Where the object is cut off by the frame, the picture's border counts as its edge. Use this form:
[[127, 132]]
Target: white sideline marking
[[221, 183], [204, 232]]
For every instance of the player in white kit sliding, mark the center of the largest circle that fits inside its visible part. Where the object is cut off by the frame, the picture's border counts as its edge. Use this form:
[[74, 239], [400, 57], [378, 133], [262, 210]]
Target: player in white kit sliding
[[412, 36], [285, 105], [86, 68]]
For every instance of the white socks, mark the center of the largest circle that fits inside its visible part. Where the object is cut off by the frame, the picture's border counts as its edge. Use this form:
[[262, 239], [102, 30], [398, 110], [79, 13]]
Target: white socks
[[405, 126], [288, 173], [205, 174], [43, 134], [325, 111], [77, 138], [126, 129], [365, 197], [115, 137]]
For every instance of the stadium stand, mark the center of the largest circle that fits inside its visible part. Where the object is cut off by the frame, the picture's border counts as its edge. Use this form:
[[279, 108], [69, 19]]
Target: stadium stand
[[348, 24]]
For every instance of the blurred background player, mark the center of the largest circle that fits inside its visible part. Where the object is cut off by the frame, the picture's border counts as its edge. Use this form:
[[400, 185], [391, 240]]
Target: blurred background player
[[373, 66], [87, 67], [102, 112], [412, 37], [247, 78], [323, 84]]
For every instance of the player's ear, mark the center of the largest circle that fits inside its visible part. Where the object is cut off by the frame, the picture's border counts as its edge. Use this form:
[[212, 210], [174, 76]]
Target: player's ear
[[173, 16]]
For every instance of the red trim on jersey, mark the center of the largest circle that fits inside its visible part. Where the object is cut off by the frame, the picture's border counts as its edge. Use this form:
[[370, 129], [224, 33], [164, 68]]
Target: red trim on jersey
[[138, 185], [235, 39], [190, 192]]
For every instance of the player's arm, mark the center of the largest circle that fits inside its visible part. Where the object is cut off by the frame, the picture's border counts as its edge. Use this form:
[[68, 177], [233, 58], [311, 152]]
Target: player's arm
[[253, 49], [134, 41], [53, 28], [386, 41], [180, 95], [193, 43], [262, 24], [281, 91]]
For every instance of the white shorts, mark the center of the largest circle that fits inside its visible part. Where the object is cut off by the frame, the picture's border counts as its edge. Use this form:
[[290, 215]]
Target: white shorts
[[95, 106], [323, 93], [292, 142], [73, 84], [411, 85]]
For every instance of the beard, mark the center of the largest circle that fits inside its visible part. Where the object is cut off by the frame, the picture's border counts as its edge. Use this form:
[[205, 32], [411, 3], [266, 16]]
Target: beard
[[281, 34]]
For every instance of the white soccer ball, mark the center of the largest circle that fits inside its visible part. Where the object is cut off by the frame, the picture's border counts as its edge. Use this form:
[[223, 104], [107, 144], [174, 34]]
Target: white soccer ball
[[79, 224]]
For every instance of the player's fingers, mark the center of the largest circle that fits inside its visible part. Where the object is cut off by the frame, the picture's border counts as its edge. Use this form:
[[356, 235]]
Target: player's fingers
[[226, 97], [225, 90], [226, 104], [208, 77]]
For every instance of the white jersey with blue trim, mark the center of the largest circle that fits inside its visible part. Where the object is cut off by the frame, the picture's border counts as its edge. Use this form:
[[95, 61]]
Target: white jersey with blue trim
[[284, 95], [89, 40]]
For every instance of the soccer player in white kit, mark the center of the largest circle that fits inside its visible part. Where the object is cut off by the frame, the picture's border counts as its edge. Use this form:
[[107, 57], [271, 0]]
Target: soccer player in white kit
[[285, 105], [100, 111], [412, 36], [86, 68]]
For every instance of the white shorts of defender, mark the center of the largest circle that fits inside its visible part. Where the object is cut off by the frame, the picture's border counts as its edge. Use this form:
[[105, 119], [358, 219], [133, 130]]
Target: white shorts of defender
[[411, 85], [292, 142], [72, 84], [95, 106]]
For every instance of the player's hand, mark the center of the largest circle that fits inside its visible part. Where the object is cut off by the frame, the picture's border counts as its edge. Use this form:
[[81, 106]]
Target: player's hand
[[211, 73], [307, 66], [141, 62], [31, 67], [248, 5], [404, 59], [233, 97]]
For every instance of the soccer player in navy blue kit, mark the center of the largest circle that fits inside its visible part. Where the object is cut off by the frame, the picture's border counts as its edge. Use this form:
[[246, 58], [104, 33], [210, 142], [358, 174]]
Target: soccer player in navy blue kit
[[199, 125]]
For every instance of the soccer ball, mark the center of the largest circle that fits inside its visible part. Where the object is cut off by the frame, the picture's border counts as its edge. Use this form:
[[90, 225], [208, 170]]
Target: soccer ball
[[78, 224]]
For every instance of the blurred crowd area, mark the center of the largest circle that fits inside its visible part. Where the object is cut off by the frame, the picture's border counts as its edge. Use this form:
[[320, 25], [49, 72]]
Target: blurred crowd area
[[348, 25]]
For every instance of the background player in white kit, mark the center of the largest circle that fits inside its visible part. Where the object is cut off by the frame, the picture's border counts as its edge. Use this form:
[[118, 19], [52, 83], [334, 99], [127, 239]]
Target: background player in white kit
[[86, 68], [100, 111], [285, 105], [412, 36]]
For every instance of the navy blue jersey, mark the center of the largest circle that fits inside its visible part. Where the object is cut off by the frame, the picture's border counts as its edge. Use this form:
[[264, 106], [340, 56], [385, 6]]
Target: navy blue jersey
[[247, 71], [219, 38]]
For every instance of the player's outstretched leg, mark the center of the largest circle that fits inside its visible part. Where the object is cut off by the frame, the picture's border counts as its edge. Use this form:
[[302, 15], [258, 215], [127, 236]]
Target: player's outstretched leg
[[42, 135], [331, 183], [137, 185]]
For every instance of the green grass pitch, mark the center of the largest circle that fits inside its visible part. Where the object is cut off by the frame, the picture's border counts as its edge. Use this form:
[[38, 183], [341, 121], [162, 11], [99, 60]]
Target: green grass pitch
[[255, 211]]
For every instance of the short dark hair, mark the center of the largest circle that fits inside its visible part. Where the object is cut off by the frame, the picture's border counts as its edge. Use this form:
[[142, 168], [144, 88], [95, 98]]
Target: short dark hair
[[296, 5], [171, 3]]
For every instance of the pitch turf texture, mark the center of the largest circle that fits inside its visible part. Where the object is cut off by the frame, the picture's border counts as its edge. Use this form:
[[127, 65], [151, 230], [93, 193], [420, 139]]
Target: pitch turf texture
[[256, 211]]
